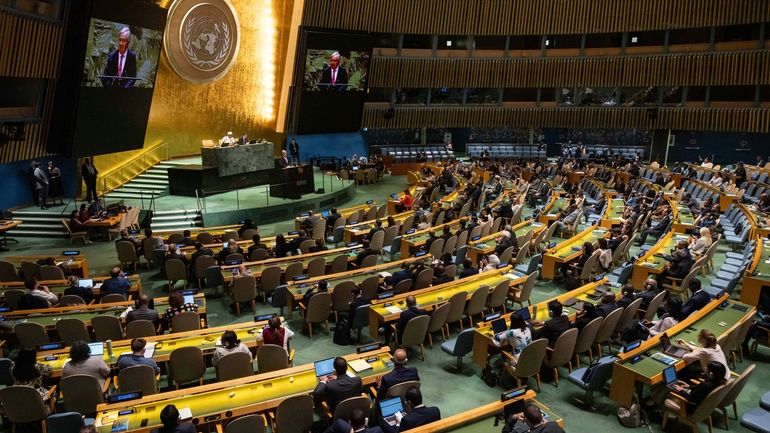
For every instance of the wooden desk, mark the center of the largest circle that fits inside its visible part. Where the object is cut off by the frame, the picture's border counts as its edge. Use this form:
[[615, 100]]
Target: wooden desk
[[48, 317], [354, 232], [346, 212], [482, 418], [59, 286], [357, 276], [414, 191], [232, 398], [414, 241], [551, 210], [250, 334], [683, 219], [217, 247], [652, 261], [77, 264], [487, 244], [628, 377], [757, 274], [482, 337], [431, 298], [256, 268], [104, 223], [570, 250], [6, 225], [615, 209]]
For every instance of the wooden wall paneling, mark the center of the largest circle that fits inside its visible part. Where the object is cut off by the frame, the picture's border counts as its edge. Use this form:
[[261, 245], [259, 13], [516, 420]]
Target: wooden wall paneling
[[696, 69], [705, 119], [521, 17], [30, 48]]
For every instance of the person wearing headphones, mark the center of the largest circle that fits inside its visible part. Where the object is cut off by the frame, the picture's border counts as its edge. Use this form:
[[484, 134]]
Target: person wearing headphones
[[400, 374]]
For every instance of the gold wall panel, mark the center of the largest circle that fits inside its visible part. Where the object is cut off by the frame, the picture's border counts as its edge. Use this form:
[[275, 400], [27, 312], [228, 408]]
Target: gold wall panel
[[722, 68], [184, 113], [747, 120], [528, 17]]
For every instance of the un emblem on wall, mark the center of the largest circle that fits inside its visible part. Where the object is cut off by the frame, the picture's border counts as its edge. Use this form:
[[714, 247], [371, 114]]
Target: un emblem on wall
[[202, 39]]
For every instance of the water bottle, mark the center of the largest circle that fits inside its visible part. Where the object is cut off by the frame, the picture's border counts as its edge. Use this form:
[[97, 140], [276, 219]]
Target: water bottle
[[109, 348]]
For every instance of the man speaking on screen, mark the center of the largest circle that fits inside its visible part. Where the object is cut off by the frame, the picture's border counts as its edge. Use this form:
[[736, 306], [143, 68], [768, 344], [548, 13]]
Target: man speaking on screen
[[334, 78], [121, 63]]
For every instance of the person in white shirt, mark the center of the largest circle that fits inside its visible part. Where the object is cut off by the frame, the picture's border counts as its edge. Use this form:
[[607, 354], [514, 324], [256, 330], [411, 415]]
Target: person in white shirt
[[701, 244], [229, 344], [708, 352], [518, 337], [605, 255], [277, 333], [490, 262], [43, 292], [707, 163], [668, 320], [228, 140]]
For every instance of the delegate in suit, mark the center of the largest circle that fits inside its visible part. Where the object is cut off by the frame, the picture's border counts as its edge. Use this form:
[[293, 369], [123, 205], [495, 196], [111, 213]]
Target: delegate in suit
[[121, 63], [334, 78], [339, 387]]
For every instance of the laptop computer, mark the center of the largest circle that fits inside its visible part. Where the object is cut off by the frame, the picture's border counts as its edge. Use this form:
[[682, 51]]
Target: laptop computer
[[671, 349], [499, 325], [323, 368], [97, 348], [524, 314], [86, 282], [389, 408], [189, 299], [669, 376], [631, 346]]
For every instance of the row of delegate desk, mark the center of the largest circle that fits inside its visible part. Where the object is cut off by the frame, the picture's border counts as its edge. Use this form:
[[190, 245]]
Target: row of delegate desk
[[76, 262], [48, 317], [217, 402], [59, 286]]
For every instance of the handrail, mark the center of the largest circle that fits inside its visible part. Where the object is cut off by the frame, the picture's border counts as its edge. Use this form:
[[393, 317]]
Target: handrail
[[133, 167]]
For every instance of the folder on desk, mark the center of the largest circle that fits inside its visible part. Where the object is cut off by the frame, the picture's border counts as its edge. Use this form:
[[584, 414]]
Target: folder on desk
[[393, 309], [359, 365]]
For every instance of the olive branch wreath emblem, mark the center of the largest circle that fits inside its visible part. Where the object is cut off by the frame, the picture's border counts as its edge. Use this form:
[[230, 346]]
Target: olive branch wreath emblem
[[188, 48]]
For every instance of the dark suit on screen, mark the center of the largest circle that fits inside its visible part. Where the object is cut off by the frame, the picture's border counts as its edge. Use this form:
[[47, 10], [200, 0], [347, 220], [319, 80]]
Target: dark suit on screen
[[111, 69], [340, 84]]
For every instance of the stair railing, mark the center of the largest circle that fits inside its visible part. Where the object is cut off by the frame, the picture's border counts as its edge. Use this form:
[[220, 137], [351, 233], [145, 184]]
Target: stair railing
[[133, 167]]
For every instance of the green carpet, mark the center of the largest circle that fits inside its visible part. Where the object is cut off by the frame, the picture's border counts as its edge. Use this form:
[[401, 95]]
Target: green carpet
[[451, 392]]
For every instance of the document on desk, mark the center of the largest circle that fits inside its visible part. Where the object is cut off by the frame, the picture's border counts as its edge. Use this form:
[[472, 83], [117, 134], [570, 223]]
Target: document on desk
[[393, 309], [149, 349], [359, 365], [125, 313], [185, 413]]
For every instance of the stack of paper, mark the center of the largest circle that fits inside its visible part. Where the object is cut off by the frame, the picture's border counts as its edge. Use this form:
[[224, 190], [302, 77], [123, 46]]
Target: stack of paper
[[393, 309], [359, 365]]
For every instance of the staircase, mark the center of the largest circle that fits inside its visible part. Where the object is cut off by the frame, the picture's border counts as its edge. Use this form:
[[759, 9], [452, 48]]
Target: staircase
[[151, 183], [38, 223], [176, 219]]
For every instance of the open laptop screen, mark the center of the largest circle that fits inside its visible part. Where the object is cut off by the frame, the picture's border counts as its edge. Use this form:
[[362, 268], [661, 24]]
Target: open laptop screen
[[324, 367], [86, 282], [669, 375], [391, 406], [97, 349], [524, 314]]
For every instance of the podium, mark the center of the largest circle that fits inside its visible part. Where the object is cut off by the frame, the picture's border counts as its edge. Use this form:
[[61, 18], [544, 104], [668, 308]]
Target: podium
[[291, 182]]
